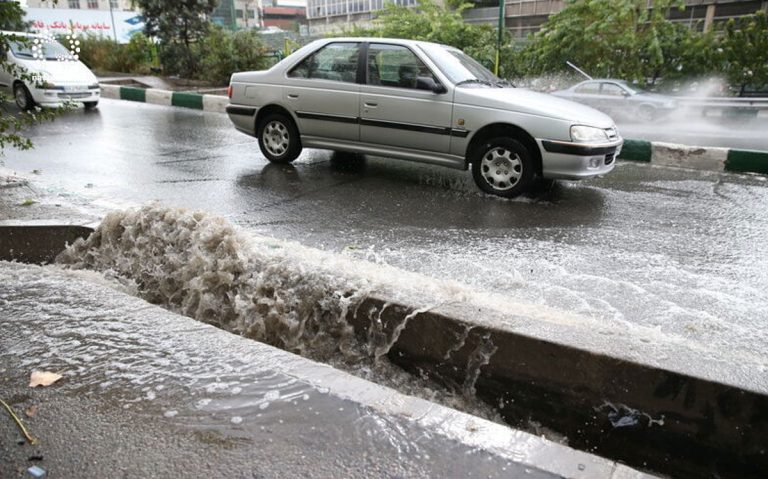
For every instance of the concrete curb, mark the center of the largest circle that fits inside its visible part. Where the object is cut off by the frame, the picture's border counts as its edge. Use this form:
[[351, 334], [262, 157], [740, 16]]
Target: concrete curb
[[695, 157], [658, 153], [195, 101]]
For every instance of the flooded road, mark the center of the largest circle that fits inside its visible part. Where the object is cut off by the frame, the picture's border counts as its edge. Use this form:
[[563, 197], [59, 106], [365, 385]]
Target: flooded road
[[653, 251]]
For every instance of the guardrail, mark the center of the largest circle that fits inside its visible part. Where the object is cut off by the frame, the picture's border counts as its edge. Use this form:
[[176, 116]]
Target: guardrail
[[724, 102]]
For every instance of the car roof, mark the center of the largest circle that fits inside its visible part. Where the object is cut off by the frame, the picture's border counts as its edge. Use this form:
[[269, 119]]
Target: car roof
[[396, 41]]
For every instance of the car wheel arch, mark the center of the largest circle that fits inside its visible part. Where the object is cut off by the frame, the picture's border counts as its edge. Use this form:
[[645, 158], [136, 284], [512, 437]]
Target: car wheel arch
[[266, 110], [505, 129]]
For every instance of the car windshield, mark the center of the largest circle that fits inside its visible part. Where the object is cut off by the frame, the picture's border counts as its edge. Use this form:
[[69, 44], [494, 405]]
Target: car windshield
[[460, 68], [633, 89], [39, 50]]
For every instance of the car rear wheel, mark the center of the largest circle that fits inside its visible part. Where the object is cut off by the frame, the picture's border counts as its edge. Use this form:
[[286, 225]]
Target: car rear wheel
[[502, 166], [279, 138], [646, 113], [23, 98]]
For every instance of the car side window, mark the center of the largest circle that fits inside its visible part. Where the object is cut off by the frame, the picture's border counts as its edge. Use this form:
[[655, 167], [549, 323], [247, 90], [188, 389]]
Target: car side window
[[589, 88], [611, 89], [395, 66], [336, 61]]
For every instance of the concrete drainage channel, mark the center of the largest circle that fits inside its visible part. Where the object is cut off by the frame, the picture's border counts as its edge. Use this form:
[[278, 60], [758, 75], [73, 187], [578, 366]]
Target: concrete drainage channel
[[700, 418]]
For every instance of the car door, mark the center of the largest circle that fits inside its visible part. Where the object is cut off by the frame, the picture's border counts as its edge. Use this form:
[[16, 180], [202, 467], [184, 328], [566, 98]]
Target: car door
[[323, 92], [613, 98], [587, 93], [393, 110]]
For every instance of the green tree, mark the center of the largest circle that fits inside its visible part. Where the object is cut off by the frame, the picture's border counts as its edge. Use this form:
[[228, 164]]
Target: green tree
[[610, 38], [178, 25], [440, 24], [744, 46], [222, 52], [13, 124]]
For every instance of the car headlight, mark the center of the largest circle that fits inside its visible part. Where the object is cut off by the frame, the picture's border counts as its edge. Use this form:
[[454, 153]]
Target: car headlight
[[588, 133]]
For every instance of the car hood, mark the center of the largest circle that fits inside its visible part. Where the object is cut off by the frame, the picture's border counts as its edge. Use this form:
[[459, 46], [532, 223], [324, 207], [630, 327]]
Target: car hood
[[533, 103], [66, 72]]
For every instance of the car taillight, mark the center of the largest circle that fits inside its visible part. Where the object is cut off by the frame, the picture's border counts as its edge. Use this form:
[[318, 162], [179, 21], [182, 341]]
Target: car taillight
[[229, 92]]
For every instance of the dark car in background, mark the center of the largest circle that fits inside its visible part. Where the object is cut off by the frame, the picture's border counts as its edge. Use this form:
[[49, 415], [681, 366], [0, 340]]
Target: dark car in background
[[618, 98]]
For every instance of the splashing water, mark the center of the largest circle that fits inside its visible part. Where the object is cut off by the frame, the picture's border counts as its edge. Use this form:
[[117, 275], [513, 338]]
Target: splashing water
[[276, 292]]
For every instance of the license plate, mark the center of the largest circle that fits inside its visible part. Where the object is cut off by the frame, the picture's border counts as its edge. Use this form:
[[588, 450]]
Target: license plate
[[74, 89]]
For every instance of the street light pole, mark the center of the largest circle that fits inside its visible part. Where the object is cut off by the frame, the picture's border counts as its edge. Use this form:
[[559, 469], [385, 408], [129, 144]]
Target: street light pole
[[499, 40]]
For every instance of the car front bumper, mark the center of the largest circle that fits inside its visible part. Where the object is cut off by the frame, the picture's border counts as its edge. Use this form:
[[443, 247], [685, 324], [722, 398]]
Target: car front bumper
[[58, 97], [578, 161]]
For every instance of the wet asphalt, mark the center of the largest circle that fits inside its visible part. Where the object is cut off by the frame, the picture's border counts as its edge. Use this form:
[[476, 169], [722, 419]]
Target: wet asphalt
[[674, 252]]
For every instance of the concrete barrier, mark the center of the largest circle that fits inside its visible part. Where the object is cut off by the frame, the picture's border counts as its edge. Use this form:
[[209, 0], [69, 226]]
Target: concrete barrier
[[695, 157], [644, 415]]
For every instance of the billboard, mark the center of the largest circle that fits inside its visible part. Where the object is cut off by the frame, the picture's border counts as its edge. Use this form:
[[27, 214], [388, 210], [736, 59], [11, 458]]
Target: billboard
[[116, 25]]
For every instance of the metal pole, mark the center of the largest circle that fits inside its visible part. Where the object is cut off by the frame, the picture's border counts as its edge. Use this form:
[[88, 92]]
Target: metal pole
[[578, 69], [501, 34], [112, 16]]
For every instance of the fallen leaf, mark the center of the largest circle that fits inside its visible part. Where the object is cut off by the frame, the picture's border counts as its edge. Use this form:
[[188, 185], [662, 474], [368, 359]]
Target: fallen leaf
[[31, 411], [43, 378]]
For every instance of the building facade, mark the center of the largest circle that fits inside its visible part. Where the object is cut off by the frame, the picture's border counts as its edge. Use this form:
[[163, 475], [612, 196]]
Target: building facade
[[122, 5], [326, 16], [238, 14], [526, 16]]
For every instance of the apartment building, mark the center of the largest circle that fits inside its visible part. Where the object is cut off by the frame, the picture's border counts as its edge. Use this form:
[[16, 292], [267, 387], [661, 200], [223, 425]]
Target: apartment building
[[326, 16], [526, 16], [238, 14], [521, 17]]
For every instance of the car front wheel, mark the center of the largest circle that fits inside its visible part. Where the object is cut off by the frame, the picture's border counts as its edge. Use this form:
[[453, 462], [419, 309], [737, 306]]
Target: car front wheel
[[23, 98], [279, 138], [502, 166], [90, 105]]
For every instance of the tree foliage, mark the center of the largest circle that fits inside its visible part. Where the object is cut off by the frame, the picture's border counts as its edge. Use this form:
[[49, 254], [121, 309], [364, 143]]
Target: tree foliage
[[609, 38], [178, 25], [744, 46], [222, 52], [440, 24]]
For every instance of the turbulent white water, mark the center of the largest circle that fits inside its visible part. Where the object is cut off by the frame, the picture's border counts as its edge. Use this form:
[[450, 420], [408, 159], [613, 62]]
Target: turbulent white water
[[273, 291]]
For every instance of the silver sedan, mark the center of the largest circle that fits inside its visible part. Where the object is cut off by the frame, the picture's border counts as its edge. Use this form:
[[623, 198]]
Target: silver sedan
[[423, 102]]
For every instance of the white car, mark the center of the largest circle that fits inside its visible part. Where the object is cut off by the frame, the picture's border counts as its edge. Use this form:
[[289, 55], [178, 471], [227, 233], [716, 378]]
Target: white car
[[60, 77], [422, 102]]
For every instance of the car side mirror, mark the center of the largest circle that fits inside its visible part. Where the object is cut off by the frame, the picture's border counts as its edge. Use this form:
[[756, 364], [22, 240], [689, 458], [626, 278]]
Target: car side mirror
[[427, 83]]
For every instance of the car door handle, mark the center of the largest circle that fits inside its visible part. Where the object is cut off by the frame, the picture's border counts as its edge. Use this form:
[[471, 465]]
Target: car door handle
[[371, 104], [293, 96]]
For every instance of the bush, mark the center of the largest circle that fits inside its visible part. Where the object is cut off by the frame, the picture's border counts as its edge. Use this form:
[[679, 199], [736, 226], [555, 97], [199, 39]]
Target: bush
[[103, 54], [222, 52]]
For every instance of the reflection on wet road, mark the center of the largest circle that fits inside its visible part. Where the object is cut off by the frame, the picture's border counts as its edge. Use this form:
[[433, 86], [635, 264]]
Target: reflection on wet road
[[678, 253]]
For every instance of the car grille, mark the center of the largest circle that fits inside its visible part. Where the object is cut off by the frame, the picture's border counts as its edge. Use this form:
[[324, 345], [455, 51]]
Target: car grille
[[612, 133], [609, 158], [73, 96]]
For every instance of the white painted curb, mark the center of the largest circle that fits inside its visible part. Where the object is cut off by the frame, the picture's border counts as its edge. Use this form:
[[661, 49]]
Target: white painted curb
[[110, 91], [215, 103], [159, 97], [694, 157]]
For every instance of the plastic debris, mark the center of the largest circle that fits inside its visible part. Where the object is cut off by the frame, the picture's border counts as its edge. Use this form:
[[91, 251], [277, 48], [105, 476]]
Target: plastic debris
[[36, 471]]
